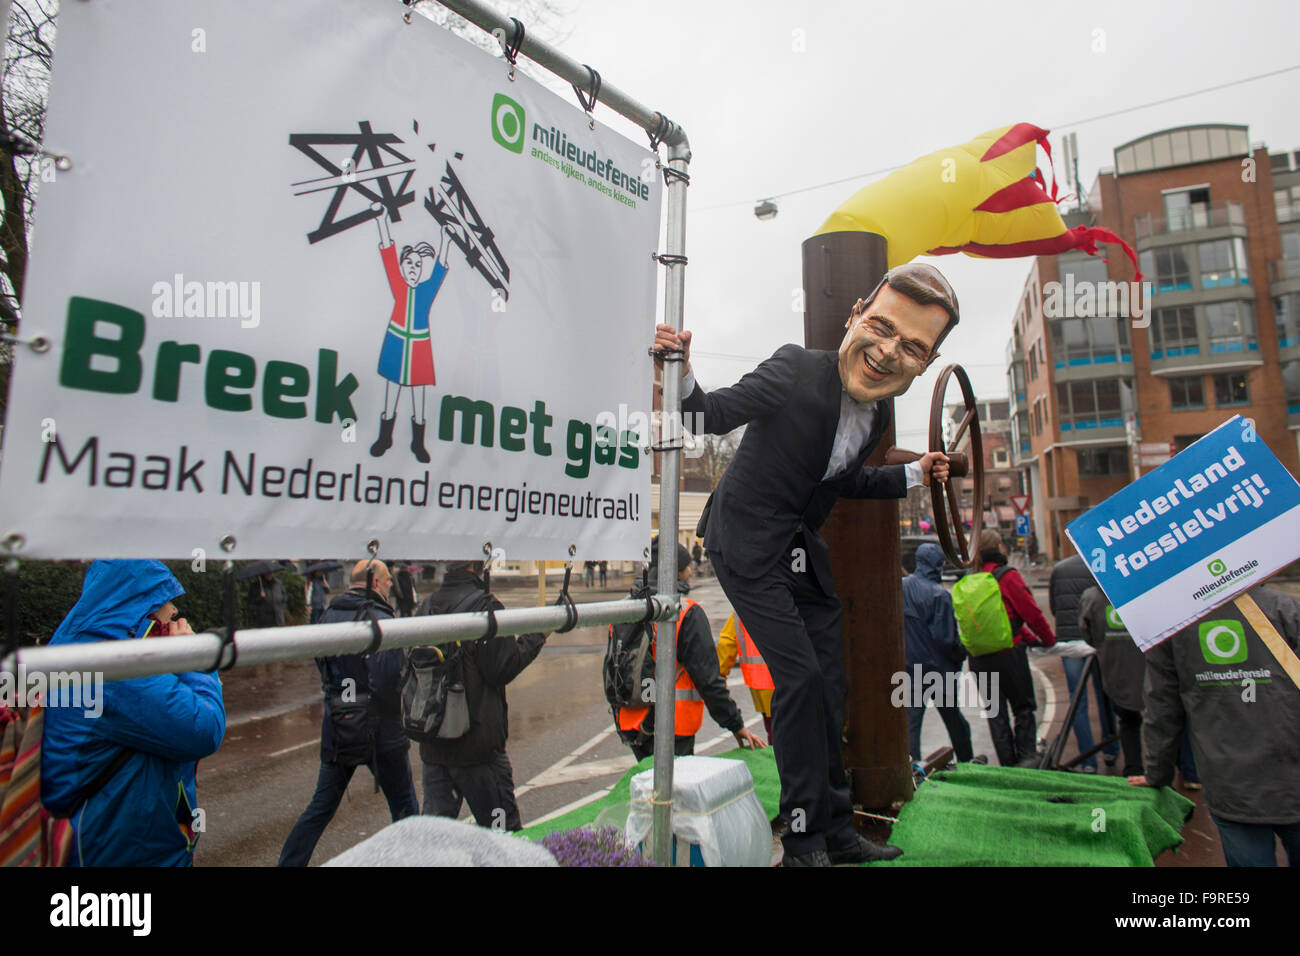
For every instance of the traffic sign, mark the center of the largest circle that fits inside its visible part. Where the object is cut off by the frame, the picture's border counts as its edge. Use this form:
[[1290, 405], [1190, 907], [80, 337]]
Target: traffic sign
[[1021, 503], [1022, 524]]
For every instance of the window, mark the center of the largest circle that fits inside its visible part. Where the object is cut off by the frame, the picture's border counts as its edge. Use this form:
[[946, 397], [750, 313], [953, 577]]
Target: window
[[1291, 385], [1095, 340], [1000, 460], [1018, 380], [1231, 326], [1020, 432], [1286, 312], [1173, 333], [1286, 204], [1101, 462], [1168, 268], [1092, 404], [1223, 262], [1291, 246], [1033, 361], [1188, 209], [1186, 392], [1230, 389], [1089, 269]]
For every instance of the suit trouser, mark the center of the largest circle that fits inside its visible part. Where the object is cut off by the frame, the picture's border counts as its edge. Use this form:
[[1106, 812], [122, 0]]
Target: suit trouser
[[796, 627]]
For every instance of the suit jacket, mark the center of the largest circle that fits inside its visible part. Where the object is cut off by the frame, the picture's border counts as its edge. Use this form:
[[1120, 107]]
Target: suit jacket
[[773, 488]]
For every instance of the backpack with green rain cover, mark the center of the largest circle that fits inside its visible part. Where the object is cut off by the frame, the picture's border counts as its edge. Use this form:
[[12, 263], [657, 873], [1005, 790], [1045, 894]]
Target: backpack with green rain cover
[[982, 620]]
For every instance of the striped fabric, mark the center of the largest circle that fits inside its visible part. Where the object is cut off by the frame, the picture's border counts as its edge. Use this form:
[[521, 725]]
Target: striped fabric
[[29, 836]]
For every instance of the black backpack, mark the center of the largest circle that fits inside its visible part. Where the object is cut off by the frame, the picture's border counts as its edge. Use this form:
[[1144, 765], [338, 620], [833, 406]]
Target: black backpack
[[434, 703], [354, 718], [629, 668]]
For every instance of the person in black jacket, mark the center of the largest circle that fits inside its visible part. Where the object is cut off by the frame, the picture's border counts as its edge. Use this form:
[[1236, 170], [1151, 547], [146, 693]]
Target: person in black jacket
[[378, 674], [813, 418], [1070, 578], [698, 655], [474, 768]]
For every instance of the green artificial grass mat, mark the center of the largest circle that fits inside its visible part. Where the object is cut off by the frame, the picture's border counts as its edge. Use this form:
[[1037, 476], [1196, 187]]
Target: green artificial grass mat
[[1006, 816], [762, 767], [976, 815]]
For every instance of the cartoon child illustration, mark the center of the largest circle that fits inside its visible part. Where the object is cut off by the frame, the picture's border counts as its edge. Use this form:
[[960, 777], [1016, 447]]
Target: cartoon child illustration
[[406, 358]]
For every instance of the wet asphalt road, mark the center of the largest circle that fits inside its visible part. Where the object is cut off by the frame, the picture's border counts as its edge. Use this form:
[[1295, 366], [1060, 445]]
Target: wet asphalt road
[[561, 743]]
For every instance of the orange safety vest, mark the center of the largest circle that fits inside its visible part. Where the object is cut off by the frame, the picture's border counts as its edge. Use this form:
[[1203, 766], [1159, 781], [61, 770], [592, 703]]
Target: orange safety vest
[[689, 708], [752, 666]]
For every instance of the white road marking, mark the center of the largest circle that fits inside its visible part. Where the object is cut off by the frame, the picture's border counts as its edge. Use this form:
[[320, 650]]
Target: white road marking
[[562, 763], [1049, 695], [581, 802], [289, 750]]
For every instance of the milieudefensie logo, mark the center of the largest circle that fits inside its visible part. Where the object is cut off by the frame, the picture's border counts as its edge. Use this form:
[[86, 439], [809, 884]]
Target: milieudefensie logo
[[508, 123], [1216, 567], [1223, 642]]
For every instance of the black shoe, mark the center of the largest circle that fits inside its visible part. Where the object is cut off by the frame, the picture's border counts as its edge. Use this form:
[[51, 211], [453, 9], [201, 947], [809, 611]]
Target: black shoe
[[815, 858], [417, 441], [1033, 761], [385, 439], [861, 850], [981, 759]]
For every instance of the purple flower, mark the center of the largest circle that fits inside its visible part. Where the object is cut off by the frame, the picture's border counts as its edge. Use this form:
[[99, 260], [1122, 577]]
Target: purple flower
[[584, 846]]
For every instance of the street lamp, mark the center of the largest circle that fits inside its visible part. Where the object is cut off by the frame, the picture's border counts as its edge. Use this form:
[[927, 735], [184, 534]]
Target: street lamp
[[765, 210]]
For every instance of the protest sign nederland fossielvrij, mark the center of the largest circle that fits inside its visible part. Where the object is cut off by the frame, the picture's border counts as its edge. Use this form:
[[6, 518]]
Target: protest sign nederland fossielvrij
[[1213, 521], [321, 276]]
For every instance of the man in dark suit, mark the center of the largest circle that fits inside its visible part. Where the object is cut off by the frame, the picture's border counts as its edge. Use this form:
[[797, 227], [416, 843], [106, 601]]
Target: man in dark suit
[[813, 417]]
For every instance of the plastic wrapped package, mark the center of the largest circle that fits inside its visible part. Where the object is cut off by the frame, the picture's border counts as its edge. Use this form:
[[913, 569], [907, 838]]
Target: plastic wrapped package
[[715, 812]]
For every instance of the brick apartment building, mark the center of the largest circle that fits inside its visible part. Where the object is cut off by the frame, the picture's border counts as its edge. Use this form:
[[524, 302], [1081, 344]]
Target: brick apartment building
[[1097, 398]]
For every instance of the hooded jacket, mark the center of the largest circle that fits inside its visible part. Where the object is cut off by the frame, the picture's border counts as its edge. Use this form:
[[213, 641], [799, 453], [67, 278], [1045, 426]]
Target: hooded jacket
[[1216, 678], [381, 672], [928, 621], [168, 722], [491, 664], [1070, 578]]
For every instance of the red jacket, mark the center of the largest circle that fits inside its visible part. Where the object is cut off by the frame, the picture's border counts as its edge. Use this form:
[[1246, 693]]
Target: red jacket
[[1022, 607]]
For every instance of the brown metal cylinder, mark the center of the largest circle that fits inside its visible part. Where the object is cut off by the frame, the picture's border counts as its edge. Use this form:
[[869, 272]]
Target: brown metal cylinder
[[838, 269]]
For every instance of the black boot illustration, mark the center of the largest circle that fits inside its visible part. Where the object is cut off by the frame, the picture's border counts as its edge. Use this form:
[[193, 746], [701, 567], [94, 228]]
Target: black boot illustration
[[417, 441], [385, 439]]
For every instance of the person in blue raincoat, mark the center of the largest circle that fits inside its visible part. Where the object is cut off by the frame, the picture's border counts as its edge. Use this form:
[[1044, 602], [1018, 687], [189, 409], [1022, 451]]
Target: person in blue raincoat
[[149, 736], [933, 647]]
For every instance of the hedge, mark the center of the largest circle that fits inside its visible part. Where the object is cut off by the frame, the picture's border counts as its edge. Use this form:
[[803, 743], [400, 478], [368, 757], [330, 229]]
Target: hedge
[[47, 590]]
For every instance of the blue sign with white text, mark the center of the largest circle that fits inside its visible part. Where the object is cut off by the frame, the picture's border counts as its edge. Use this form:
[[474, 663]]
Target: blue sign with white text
[[1212, 521]]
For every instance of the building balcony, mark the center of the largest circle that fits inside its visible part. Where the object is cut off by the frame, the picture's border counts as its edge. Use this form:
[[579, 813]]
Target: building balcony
[[1283, 276], [1218, 355], [1195, 219]]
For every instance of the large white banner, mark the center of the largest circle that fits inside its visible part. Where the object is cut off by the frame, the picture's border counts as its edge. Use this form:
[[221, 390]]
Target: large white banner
[[317, 276]]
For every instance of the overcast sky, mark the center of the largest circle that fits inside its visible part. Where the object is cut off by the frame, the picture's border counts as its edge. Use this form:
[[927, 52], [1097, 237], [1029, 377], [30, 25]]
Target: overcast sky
[[878, 85]]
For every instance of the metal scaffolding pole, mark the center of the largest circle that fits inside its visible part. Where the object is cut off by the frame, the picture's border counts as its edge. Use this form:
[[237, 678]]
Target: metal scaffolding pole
[[669, 486], [119, 660]]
